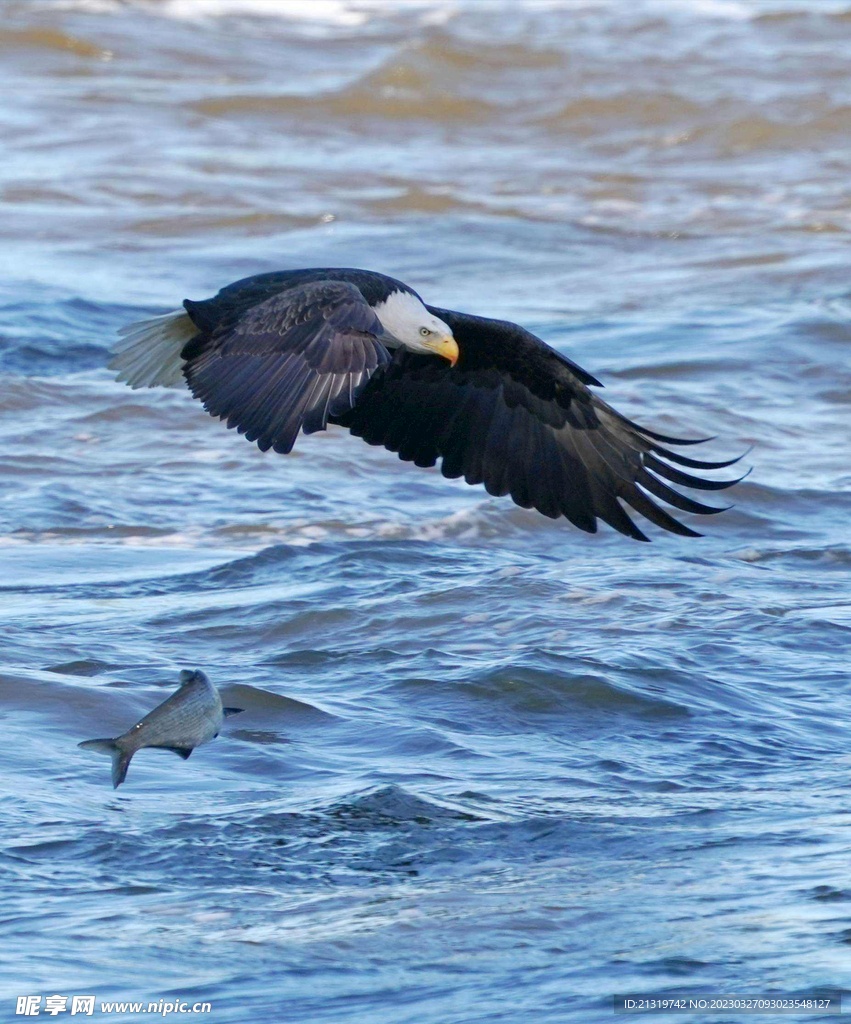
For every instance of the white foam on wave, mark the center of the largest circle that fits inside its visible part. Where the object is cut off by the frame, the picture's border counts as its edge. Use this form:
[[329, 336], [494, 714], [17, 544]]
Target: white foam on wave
[[742, 10], [86, 6], [353, 13], [344, 13], [733, 10], [337, 12]]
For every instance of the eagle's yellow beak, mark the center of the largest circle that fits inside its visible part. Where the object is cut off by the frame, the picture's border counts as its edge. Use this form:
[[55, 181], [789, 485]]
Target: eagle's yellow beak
[[445, 346]]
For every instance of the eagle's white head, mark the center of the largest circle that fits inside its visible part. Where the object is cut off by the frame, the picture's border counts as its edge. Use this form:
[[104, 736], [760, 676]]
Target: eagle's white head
[[405, 317]]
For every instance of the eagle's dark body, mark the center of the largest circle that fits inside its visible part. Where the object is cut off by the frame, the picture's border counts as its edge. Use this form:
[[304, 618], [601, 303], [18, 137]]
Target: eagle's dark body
[[281, 352]]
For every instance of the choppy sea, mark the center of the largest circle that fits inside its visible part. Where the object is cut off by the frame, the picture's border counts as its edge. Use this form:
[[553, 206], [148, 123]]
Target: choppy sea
[[491, 769]]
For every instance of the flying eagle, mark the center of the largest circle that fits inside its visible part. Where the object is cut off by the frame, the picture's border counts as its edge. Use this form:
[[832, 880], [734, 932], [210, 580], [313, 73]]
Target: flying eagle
[[295, 350]]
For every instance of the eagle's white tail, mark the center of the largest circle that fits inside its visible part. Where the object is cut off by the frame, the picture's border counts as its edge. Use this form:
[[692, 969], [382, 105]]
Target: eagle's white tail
[[148, 354]]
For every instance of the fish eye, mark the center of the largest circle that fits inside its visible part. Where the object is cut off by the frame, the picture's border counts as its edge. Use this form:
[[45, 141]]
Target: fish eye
[[425, 332]]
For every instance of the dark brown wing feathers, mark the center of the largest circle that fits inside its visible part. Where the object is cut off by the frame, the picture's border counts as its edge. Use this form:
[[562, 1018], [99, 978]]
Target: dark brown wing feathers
[[515, 416], [296, 350], [288, 363]]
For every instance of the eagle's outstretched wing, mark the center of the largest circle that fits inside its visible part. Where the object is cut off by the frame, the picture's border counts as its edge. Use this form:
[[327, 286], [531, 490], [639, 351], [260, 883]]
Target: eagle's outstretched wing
[[288, 362]]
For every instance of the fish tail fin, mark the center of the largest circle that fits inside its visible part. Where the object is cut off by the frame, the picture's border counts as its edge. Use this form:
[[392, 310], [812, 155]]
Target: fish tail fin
[[120, 757]]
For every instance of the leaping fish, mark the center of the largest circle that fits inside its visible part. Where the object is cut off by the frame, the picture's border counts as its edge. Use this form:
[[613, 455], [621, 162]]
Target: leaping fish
[[192, 715]]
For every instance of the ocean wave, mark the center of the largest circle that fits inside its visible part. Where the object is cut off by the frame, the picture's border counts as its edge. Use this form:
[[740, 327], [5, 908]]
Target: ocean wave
[[397, 94], [51, 39], [354, 13], [521, 692]]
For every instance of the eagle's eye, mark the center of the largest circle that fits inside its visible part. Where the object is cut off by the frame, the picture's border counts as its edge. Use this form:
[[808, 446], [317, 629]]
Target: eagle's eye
[[425, 332]]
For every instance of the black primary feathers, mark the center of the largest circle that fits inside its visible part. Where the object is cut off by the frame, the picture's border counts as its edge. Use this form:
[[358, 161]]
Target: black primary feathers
[[516, 416], [298, 349]]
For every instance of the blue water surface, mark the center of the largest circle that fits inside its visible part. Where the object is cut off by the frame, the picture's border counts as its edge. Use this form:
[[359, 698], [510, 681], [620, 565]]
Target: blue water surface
[[491, 769]]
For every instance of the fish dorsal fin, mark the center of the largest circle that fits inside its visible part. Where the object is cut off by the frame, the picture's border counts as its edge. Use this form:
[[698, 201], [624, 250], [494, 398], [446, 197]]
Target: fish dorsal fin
[[183, 752], [227, 712]]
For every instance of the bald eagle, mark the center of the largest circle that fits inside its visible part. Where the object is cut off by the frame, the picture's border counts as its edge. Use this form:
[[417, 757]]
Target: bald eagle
[[296, 350]]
